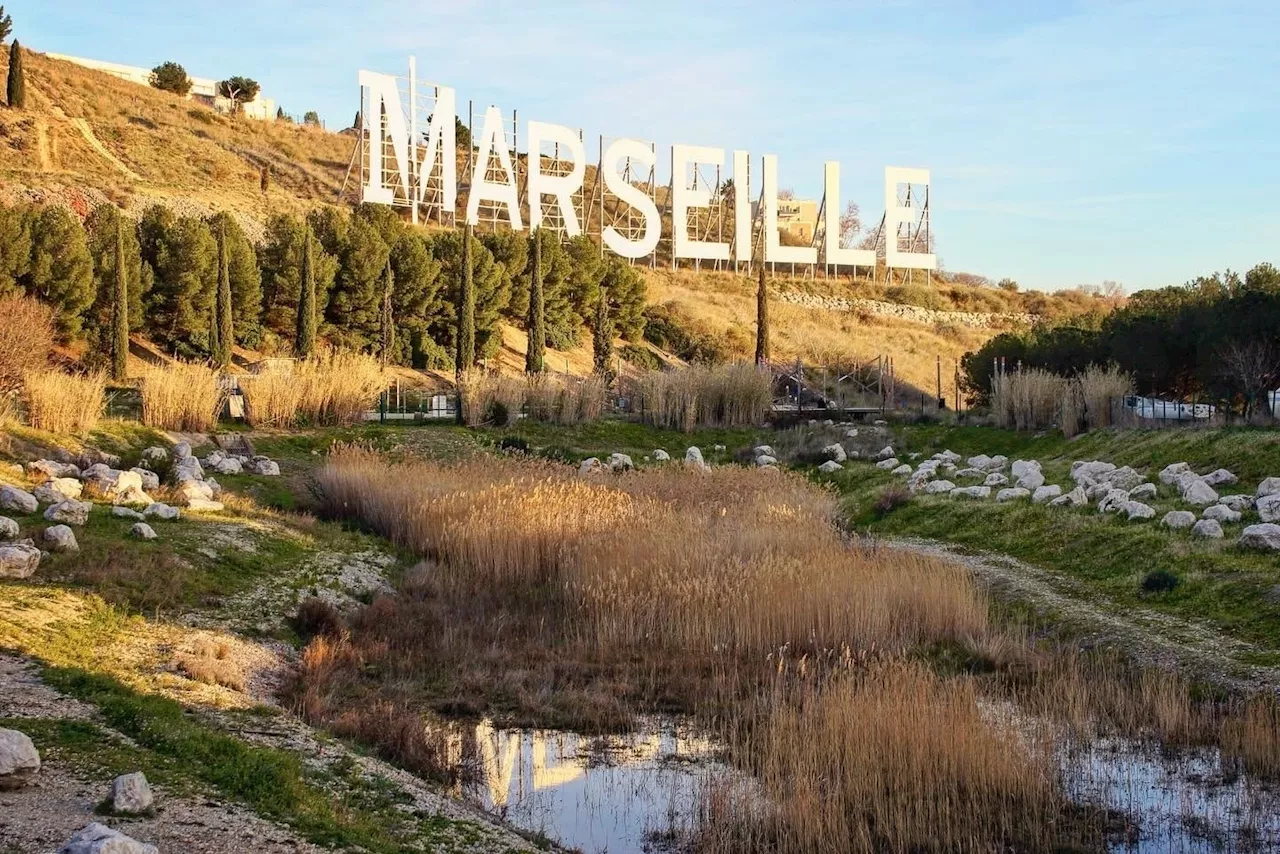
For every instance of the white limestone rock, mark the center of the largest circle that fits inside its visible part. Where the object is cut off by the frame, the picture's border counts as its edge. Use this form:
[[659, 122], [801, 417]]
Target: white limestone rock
[[131, 794], [8, 528], [15, 500], [829, 467], [57, 490], [972, 472], [228, 465], [1091, 469], [834, 451], [100, 839], [1169, 474], [1265, 536], [885, 453], [976, 492], [1122, 478], [1013, 493], [142, 531], [1220, 477], [61, 539], [69, 512], [1031, 479], [1113, 501], [205, 505], [19, 759], [996, 479], [619, 462], [661, 456], [167, 512], [1021, 467], [18, 560], [1199, 493], [1270, 486], [156, 454], [589, 466], [1178, 520], [1268, 507], [947, 456], [693, 456], [1074, 498], [1239, 503], [765, 451], [150, 480], [1138, 510], [937, 487], [1143, 491], [851, 433], [1221, 512], [51, 469], [1045, 494], [902, 470], [126, 513], [1207, 529], [889, 464], [766, 460], [264, 467]]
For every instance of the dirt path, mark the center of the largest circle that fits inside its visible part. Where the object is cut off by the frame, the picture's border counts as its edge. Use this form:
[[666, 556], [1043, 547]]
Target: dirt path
[[42, 144], [1146, 636], [96, 144]]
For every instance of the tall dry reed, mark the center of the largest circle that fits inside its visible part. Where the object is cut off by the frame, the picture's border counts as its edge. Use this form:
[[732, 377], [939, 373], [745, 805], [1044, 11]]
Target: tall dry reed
[[65, 403], [184, 396], [891, 758], [733, 561], [499, 399], [737, 395], [1026, 399], [331, 389]]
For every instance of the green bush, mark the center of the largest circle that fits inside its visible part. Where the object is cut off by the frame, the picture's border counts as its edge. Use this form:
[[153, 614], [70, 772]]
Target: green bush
[[1159, 581]]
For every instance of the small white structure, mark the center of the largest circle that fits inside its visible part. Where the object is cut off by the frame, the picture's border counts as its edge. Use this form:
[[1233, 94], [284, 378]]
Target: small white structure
[[203, 89]]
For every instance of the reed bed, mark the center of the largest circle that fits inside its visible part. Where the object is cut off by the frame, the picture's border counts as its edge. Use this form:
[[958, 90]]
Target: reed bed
[[735, 561], [497, 399], [1036, 399], [333, 389], [891, 759], [737, 395], [65, 403], [184, 396]]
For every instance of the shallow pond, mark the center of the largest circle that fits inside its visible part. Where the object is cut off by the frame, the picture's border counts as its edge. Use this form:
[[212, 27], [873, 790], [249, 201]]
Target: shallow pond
[[638, 794]]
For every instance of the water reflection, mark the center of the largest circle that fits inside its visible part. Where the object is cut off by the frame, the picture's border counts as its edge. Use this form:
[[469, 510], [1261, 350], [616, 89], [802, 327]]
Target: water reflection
[[614, 794]]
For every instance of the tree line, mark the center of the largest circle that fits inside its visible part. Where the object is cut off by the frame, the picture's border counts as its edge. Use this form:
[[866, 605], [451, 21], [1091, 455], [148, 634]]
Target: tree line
[[364, 280], [1215, 338]]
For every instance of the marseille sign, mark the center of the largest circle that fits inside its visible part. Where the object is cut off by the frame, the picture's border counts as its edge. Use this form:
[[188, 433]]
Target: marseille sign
[[404, 166]]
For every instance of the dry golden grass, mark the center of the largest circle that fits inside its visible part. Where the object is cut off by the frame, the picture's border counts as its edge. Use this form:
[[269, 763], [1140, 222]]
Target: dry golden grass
[[1027, 399], [333, 389], [65, 403], [183, 396], [737, 395], [211, 661]]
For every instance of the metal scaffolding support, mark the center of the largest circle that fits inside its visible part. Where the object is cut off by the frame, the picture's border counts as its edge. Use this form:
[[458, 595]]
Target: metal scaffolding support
[[612, 211]]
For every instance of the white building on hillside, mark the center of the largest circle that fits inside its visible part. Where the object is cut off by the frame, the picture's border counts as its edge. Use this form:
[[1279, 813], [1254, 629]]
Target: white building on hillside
[[203, 89]]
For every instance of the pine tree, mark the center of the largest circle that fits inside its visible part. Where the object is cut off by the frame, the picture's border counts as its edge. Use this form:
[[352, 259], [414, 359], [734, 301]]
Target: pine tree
[[388, 330], [762, 320], [466, 337], [120, 312], [60, 271], [17, 79], [602, 331], [306, 338], [222, 306], [536, 353]]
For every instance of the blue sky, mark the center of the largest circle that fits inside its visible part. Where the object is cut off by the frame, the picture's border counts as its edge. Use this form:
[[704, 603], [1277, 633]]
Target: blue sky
[[1069, 142]]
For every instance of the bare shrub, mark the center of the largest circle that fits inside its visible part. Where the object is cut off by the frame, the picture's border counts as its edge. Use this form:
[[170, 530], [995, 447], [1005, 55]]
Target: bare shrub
[[330, 389], [65, 403], [210, 661], [182, 396], [737, 395], [26, 339], [317, 617]]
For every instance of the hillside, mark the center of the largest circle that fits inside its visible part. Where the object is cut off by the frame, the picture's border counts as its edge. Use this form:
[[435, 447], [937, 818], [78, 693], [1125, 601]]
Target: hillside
[[87, 138]]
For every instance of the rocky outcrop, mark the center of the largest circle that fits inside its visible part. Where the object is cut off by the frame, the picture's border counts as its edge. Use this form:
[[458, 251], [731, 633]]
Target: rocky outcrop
[[913, 313]]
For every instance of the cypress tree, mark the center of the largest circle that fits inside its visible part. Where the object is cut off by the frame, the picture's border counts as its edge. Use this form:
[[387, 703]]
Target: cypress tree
[[388, 331], [306, 338], [602, 334], [215, 346], [762, 320], [17, 79], [466, 342], [536, 353], [120, 313], [222, 306]]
